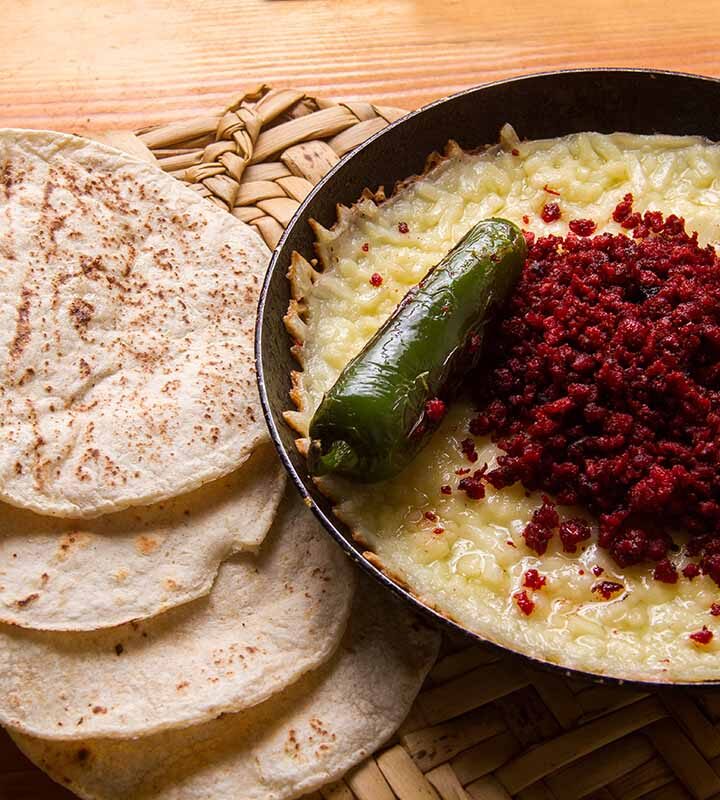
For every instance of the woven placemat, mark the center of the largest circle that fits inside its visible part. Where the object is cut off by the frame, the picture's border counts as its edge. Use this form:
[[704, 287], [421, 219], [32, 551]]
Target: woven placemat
[[486, 726]]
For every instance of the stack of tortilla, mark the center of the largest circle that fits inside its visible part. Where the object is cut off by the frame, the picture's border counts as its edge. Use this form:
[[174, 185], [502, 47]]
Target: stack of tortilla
[[173, 624]]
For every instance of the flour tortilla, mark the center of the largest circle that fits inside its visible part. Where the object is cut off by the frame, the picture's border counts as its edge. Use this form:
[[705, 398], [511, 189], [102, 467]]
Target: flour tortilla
[[294, 743], [126, 330], [268, 620], [58, 574]]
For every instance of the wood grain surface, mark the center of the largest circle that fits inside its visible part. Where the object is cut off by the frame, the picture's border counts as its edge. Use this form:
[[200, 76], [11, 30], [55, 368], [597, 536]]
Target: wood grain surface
[[107, 64], [94, 64]]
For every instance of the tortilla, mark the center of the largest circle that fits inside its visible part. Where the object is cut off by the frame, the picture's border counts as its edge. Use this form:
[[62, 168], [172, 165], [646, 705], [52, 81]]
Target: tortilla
[[269, 619], [58, 574], [293, 743], [126, 330]]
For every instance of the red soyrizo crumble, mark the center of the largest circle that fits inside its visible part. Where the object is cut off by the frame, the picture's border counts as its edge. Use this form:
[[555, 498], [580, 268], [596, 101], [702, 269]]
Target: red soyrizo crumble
[[532, 579], [703, 636], [524, 603], [602, 387], [550, 212], [435, 409]]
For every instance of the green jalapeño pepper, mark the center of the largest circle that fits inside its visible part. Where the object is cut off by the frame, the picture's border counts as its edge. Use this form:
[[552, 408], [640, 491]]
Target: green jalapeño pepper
[[388, 400]]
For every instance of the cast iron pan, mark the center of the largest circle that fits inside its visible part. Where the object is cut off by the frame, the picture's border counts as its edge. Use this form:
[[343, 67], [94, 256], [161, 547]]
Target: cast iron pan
[[538, 106]]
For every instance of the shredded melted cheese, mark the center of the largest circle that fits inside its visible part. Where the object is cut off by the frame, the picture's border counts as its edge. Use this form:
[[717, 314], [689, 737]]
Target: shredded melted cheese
[[471, 569]]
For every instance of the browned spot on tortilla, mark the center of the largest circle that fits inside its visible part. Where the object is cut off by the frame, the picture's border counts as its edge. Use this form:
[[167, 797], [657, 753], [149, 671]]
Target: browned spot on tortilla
[[171, 585], [318, 726], [56, 224], [182, 685], [82, 754], [18, 468], [47, 191], [22, 325], [170, 386], [57, 283], [39, 467], [146, 545], [84, 368], [81, 312], [44, 578], [121, 575], [292, 746], [91, 454], [6, 250], [26, 601], [99, 710], [10, 175], [7, 177], [70, 541], [92, 268], [28, 375], [130, 263]]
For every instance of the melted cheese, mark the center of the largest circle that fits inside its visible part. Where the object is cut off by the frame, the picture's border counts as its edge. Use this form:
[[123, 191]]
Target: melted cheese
[[471, 570]]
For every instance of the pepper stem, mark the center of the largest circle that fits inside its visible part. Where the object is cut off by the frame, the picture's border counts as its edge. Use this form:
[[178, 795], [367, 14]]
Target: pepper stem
[[341, 457]]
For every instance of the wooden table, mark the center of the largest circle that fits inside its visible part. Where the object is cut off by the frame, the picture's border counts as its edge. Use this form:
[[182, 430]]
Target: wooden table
[[94, 64]]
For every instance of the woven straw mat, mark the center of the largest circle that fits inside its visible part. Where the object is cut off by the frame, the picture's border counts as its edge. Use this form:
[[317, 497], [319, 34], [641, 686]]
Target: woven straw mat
[[486, 726]]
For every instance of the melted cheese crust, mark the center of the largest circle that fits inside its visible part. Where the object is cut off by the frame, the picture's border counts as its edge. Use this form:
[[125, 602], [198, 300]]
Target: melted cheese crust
[[471, 570]]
